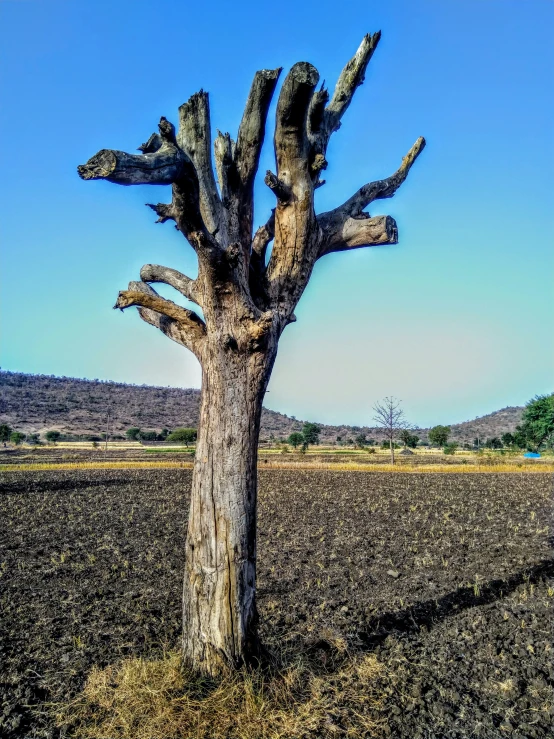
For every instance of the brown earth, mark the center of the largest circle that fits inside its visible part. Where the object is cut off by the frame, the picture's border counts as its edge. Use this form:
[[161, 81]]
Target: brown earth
[[445, 578]]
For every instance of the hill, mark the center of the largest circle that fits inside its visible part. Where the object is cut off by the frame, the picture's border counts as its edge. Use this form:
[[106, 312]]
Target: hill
[[38, 403]]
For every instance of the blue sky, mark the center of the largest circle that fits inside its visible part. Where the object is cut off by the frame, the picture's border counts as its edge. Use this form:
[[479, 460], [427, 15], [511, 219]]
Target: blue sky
[[456, 320]]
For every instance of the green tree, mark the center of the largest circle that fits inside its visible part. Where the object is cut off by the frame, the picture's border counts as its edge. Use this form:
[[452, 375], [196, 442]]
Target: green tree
[[360, 441], [537, 427], [450, 448], [296, 439], [493, 443], [508, 439], [184, 436], [52, 436], [16, 437], [408, 439], [438, 435], [5, 432], [148, 435], [133, 434], [310, 432]]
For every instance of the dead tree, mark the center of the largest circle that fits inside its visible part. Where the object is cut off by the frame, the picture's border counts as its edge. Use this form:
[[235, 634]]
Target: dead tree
[[390, 417], [247, 300]]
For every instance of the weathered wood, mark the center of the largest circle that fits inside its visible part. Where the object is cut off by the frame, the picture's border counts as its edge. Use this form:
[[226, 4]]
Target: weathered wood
[[169, 276], [354, 233], [246, 305], [191, 328], [195, 139]]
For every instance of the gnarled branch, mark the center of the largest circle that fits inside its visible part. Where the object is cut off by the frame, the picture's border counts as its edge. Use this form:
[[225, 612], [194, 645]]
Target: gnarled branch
[[180, 324], [160, 166], [172, 277], [386, 188], [348, 226], [350, 78]]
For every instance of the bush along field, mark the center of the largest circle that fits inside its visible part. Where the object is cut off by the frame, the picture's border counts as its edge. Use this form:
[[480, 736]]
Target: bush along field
[[392, 605]]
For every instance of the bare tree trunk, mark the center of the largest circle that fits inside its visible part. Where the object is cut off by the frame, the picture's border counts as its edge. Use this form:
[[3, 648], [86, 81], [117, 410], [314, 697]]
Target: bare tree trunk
[[219, 590], [391, 442]]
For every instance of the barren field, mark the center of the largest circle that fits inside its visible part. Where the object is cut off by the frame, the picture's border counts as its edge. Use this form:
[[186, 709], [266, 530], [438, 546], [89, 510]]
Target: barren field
[[445, 578]]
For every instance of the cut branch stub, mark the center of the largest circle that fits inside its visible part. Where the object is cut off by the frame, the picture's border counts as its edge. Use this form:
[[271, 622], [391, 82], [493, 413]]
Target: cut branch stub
[[251, 133], [160, 166], [163, 210], [194, 138], [355, 233], [152, 145], [223, 153], [282, 192]]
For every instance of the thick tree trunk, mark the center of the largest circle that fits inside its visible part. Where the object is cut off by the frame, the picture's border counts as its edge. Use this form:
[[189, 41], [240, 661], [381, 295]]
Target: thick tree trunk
[[219, 592], [391, 442]]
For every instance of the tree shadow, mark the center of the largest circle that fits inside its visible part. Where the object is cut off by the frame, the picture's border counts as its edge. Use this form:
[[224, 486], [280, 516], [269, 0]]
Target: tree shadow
[[431, 612]]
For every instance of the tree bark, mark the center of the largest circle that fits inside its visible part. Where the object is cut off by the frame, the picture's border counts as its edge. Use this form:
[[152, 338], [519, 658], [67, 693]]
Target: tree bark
[[219, 590]]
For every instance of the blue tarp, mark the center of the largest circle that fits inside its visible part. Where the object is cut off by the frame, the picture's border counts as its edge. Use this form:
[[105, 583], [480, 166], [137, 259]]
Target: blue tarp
[[532, 455]]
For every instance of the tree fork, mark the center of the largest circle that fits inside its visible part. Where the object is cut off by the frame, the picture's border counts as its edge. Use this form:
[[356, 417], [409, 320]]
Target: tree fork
[[246, 301]]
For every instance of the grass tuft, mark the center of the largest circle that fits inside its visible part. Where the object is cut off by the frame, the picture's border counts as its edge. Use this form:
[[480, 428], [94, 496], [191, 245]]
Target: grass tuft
[[160, 699]]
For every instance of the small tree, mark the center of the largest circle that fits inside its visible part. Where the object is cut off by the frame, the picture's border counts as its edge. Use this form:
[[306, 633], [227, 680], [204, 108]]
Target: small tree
[[537, 425], [148, 435], [310, 433], [438, 435], [133, 434], [184, 436], [5, 432], [390, 417], [360, 441], [52, 436], [296, 439], [408, 439], [17, 438], [508, 439], [493, 443]]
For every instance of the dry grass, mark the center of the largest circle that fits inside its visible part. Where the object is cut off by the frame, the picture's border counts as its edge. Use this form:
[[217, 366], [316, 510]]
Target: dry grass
[[140, 699], [123, 465], [468, 467]]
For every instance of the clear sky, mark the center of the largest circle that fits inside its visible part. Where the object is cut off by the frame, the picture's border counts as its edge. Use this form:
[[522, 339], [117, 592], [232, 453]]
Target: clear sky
[[456, 320]]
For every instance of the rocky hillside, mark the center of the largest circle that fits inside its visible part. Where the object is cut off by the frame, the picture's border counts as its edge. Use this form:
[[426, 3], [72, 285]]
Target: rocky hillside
[[38, 403]]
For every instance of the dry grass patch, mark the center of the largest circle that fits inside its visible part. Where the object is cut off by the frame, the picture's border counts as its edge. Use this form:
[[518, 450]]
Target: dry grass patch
[[160, 699], [464, 467]]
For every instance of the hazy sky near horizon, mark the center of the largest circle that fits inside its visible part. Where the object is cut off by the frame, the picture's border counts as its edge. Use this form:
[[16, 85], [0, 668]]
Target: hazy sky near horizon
[[456, 320]]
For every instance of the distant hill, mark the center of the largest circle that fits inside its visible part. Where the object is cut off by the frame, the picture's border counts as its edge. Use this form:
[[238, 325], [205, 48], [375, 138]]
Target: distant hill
[[38, 403]]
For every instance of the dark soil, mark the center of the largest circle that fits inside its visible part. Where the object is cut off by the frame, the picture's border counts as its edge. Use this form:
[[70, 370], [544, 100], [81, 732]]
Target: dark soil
[[447, 579]]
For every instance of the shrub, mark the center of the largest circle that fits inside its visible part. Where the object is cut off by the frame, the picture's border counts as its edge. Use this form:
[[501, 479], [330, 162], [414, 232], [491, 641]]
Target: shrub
[[450, 448], [183, 435]]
